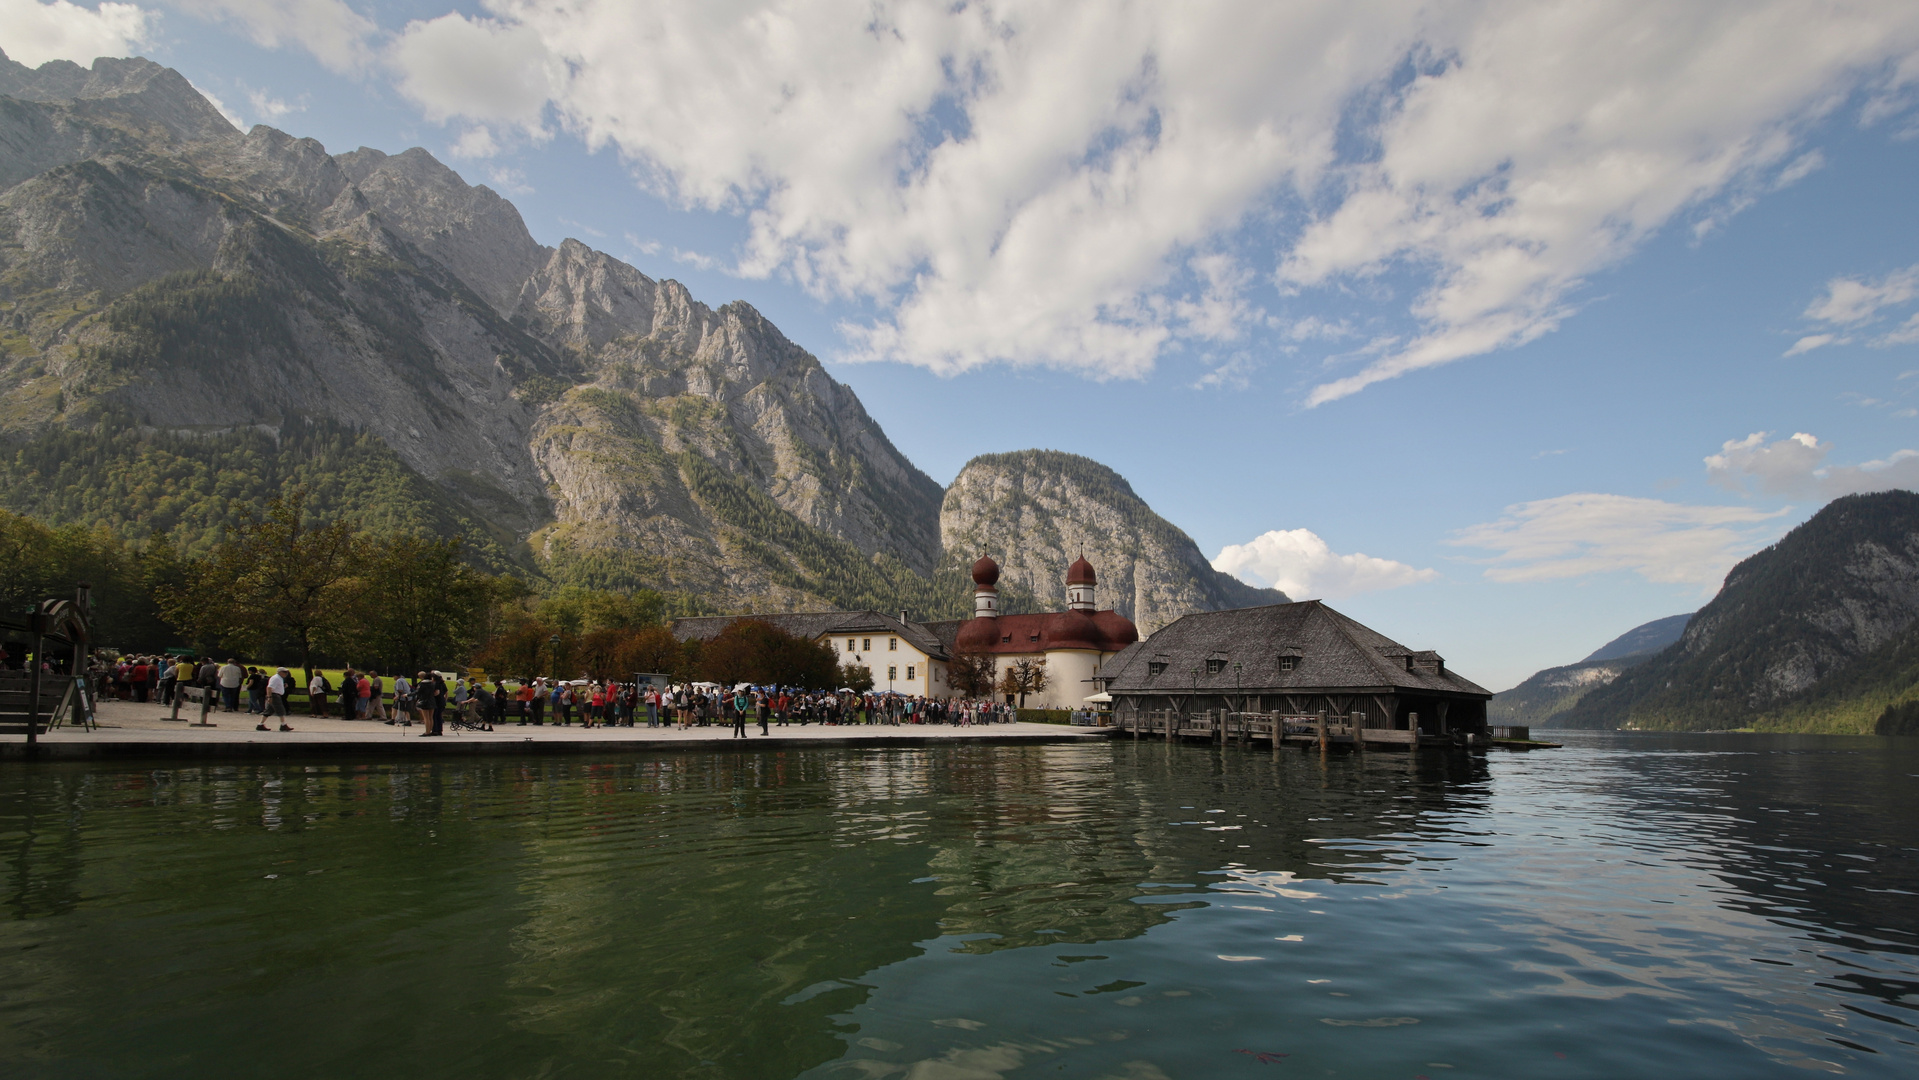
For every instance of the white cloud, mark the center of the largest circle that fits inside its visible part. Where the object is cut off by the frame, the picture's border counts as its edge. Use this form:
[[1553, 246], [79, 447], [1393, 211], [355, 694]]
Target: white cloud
[[483, 69], [269, 108], [1026, 183], [1583, 534], [511, 181], [475, 142], [338, 36], [34, 33], [1795, 468], [1906, 334], [1815, 341], [1298, 563], [1850, 301]]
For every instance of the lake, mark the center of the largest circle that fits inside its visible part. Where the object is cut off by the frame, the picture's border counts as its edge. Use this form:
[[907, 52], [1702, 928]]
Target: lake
[[1631, 905]]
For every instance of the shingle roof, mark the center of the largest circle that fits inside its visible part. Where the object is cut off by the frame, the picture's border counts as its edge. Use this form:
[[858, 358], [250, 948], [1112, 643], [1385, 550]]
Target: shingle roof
[[812, 625], [1332, 651]]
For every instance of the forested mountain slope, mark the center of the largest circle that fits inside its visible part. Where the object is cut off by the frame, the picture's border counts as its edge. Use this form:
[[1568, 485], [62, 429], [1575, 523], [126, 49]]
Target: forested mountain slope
[[192, 317], [1820, 630]]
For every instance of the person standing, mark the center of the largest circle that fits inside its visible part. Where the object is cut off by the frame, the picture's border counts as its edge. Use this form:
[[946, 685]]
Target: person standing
[[739, 714], [765, 709], [169, 678], [317, 690], [431, 695], [276, 702], [231, 676]]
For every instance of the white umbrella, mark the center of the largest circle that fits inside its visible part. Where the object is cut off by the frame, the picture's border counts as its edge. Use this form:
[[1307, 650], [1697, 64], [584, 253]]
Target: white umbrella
[[1100, 698]]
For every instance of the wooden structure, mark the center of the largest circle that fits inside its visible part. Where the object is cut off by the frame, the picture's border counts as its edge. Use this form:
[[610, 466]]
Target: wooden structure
[[1302, 670], [35, 699], [1247, 729]]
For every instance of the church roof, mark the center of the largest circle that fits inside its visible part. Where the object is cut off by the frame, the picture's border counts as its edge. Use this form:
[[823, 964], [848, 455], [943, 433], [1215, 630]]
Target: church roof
[[1080, 573], [1100, 631]]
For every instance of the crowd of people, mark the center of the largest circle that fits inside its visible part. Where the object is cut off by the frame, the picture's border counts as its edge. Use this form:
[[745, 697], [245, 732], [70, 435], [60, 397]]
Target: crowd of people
[[433, 699], [686, 705]]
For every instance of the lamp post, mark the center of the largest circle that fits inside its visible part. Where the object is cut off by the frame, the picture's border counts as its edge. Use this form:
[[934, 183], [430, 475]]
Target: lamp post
[[554, 643]]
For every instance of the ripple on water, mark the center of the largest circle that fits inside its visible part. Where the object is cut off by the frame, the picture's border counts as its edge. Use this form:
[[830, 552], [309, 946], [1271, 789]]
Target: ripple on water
[[1623, 907]]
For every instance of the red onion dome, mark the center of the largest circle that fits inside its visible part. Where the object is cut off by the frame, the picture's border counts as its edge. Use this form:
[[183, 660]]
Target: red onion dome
[[985, 571], [1080, 573]]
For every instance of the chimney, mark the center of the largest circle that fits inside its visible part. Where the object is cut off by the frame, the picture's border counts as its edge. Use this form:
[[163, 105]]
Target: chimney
[[902, 614]]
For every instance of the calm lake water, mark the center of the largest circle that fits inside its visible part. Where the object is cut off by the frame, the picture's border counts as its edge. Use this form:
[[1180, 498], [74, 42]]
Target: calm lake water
[[1711, 906]]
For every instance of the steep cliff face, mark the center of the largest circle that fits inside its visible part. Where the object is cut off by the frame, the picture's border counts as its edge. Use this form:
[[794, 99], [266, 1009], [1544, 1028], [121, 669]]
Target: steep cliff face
[[191, 316], [1828, 614], [164, 275], [1036, 510]]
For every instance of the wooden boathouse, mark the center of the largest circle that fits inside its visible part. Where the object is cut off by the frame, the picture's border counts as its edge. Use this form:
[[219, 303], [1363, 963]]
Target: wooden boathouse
[[1290, 672]]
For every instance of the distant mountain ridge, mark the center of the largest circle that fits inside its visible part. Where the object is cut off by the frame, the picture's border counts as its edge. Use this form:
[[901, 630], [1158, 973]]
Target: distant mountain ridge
[[191, 317], [1643, 639], [1542, 699], [1818, 632]]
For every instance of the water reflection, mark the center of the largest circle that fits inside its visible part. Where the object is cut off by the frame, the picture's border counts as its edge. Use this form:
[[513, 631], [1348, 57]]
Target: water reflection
[[1132, 910]]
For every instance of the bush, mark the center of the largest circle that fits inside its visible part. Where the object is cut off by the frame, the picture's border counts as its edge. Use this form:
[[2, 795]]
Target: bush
[[1044, 716]]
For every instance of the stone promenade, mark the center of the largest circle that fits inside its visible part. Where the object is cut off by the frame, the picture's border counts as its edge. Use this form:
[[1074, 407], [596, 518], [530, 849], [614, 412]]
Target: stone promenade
[[128, 730]]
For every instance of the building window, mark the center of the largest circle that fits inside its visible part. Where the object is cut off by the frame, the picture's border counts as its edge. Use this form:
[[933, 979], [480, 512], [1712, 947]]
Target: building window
[[909, 673], [869, 644], [1215, 665], [1155, 667], [936, 675], [892, 673], [1005, 637], [892, 644], [849, 644], [1288, 663]]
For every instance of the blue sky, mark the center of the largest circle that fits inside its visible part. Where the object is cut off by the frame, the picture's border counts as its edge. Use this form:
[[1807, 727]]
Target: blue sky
[[1503, 327]]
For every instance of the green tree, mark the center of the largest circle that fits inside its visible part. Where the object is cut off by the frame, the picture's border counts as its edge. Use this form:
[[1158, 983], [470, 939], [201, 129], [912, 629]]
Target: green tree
[[277, 574], [752, 651], [416, 604], [856, 677]]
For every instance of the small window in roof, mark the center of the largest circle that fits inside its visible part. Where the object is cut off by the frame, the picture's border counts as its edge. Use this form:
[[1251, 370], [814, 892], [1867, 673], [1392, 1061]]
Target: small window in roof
[[1006, 637], [1288, 663], [1215, 665], [1155, 667]]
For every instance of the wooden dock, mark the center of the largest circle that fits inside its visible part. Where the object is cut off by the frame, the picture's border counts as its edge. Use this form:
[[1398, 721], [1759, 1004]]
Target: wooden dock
[[1271, 729]]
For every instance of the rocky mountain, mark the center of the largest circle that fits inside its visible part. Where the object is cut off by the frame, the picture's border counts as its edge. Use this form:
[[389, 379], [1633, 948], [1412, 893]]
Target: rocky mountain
[[1036, 510], [191, 317], [1642, 640], [1543, 698], [1819, 631]]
